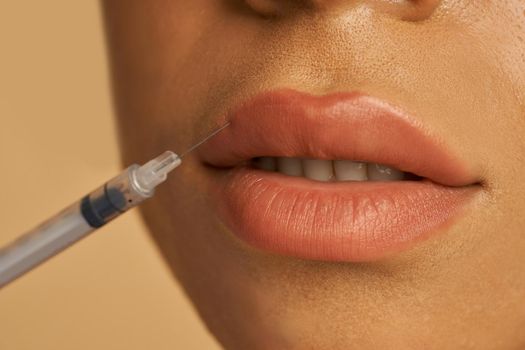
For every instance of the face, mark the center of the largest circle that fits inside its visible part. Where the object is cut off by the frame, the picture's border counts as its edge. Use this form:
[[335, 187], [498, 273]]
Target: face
[[433, 88]]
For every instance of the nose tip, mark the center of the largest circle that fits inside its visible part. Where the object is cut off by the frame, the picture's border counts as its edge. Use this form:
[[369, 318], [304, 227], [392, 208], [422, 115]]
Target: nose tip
[[409, 10]]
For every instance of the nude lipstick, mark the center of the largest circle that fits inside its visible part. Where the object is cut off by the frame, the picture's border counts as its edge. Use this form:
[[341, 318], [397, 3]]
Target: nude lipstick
[[333, 220]]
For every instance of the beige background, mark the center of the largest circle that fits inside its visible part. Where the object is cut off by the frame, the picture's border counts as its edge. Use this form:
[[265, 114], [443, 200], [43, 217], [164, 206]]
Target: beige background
[[57, 141]]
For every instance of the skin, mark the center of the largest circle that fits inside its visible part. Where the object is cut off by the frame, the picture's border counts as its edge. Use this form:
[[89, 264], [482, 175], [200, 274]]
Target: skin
[[457, 65]]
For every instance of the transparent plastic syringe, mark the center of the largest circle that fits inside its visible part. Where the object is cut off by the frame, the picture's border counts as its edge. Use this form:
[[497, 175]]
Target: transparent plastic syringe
[[115, 197]]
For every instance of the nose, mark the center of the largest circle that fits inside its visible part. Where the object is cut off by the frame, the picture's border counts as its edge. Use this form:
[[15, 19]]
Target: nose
[[408, 10]]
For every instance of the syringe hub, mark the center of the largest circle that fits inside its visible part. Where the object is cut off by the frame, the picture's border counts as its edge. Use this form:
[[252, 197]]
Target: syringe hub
[[154, 172]]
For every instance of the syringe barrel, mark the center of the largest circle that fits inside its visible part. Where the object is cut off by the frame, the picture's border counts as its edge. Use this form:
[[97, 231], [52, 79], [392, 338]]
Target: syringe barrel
[[71, 224], [115, 197], [42, 242]]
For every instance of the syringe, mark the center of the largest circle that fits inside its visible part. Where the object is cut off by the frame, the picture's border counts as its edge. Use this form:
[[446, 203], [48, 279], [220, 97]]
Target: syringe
[[109, 201]]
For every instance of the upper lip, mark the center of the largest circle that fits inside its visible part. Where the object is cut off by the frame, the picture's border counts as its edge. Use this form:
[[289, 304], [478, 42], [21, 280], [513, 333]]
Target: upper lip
[[353, 126]]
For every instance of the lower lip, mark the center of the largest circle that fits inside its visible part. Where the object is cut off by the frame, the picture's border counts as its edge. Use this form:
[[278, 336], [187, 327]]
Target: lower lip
[[337, 221]]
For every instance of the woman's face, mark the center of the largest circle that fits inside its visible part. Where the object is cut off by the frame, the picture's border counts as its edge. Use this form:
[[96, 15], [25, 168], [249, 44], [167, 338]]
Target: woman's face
[[444, 266]]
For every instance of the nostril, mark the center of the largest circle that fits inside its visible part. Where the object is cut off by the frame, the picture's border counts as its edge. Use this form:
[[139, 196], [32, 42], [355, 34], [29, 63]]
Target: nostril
[[268, 8], [408, 10]]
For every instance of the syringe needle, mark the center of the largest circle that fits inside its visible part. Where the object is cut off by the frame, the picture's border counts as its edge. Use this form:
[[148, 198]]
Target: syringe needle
[[195, 146]]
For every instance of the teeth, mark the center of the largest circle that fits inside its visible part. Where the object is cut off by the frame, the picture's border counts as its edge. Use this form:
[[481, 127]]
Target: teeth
[[346, 170], [328, 170], [316, 169], [290, 166], [378, 172]]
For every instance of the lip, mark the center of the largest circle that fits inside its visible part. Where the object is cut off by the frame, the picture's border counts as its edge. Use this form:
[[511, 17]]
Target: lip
[[338, 221]]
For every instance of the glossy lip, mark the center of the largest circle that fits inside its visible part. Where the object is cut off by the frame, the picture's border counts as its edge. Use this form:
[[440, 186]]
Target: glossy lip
[[345, 221]]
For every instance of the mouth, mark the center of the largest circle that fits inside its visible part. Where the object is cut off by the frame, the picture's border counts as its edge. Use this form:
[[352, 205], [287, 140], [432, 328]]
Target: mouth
[[339, 177]]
